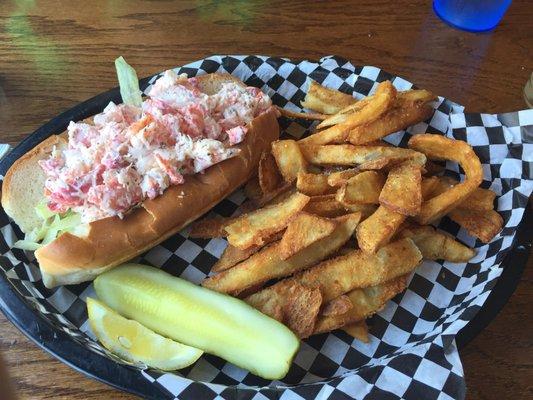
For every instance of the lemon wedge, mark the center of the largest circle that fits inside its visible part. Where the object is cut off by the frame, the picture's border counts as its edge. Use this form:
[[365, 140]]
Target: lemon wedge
[[134, 342]]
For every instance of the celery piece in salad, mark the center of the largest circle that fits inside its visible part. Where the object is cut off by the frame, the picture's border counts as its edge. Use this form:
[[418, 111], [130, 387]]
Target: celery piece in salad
[[128, 82]]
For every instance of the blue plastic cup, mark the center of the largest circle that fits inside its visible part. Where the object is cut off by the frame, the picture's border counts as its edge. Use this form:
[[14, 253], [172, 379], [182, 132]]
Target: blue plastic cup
[[471, 15]]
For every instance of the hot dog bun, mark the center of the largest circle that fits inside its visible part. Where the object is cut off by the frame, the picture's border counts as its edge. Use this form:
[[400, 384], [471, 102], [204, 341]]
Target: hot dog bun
[[103, 244]]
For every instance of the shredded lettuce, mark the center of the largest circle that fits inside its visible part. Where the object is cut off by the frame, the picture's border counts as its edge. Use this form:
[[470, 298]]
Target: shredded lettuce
[[129, 83], [52, 226], [26, 245]]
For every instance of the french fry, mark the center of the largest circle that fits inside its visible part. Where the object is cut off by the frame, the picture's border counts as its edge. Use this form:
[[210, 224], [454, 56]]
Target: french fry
[[208, 228], [363, 188], [343, 274], [313, 184], [428, 187], [440, 147], [233, 255], [335, 134], [337, 306], [301, 115], [327, 206], [394, 120], [267, 264], [268, 174], [432, 168], [482, 224], [364, 111], [402, 191], [304, 230], [289, 159], [480, 199], [358, 330], [252, 228], [300, 309], [339, 178], [325, 100], [365, 302], [349, 155], [437, 245], [376, 231]]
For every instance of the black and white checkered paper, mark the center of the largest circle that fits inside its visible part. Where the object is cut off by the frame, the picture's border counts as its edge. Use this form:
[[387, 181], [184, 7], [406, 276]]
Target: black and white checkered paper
[[412, 352]]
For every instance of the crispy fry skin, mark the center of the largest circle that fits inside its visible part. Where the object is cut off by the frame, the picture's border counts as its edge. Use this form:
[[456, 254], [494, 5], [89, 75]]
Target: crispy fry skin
[[363, 188], [327, 206], [233, 255], [365, 302], [343, 274], [376, 231], [484, 224], [396, 119], [338, 178], [269, 177], [325, 100], [440, 147], [267, 264], [289, 159], [302, 115], [437, 245], [313, 184], [337, 306], [252, 228], [366, 110], [402, 191], [371, 157], [304, 230], [359, 331]]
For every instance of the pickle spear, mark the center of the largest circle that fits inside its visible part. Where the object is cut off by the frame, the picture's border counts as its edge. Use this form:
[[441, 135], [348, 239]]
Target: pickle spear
[[198, 317]]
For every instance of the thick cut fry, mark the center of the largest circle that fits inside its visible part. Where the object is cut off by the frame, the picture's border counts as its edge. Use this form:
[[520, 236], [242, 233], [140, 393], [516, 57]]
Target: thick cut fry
[[377, 230], [338, 306], [428, 187], [364, 188], [440, 147], [232, 255], [302, 115], [402, 191], [437, 245], [366, 110], [365, 302], [275, 196], [269, 177], [300, 309], [339, 178], [252, 228], [289, 159], [372, 157], [334, 134], [358, 330], [267, 264], [325, 100], [327, 206], [208, 228], [304, 230], [252, 190], [313, 184], [343, 274], [480, 199], [394, 120], [484, 224]]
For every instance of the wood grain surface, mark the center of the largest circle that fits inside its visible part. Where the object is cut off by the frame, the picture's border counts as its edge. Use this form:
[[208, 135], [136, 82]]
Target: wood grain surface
[[54, 54]]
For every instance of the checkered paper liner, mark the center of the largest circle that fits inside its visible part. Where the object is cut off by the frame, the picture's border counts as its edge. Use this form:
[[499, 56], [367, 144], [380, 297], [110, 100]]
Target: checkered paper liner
[[412, 352]]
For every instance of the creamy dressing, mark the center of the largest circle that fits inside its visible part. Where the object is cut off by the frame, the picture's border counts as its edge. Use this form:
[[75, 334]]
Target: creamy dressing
[[129, 154]]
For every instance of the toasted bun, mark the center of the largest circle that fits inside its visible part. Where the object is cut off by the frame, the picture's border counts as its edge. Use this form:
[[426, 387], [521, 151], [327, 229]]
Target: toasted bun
[[74, 258]]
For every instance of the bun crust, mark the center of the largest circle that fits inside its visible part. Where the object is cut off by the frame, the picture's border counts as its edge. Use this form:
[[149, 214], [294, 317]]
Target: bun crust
[[111, 241]]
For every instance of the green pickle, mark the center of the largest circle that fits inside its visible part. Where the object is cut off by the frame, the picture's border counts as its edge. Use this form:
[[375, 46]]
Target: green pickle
[[214, 322]]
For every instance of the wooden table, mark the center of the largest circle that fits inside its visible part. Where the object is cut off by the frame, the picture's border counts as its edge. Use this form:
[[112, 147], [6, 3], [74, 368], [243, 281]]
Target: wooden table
[[54, 54]]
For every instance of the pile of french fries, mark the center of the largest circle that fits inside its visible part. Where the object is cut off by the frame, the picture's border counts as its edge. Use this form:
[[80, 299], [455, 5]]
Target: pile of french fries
[[337, 221]]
